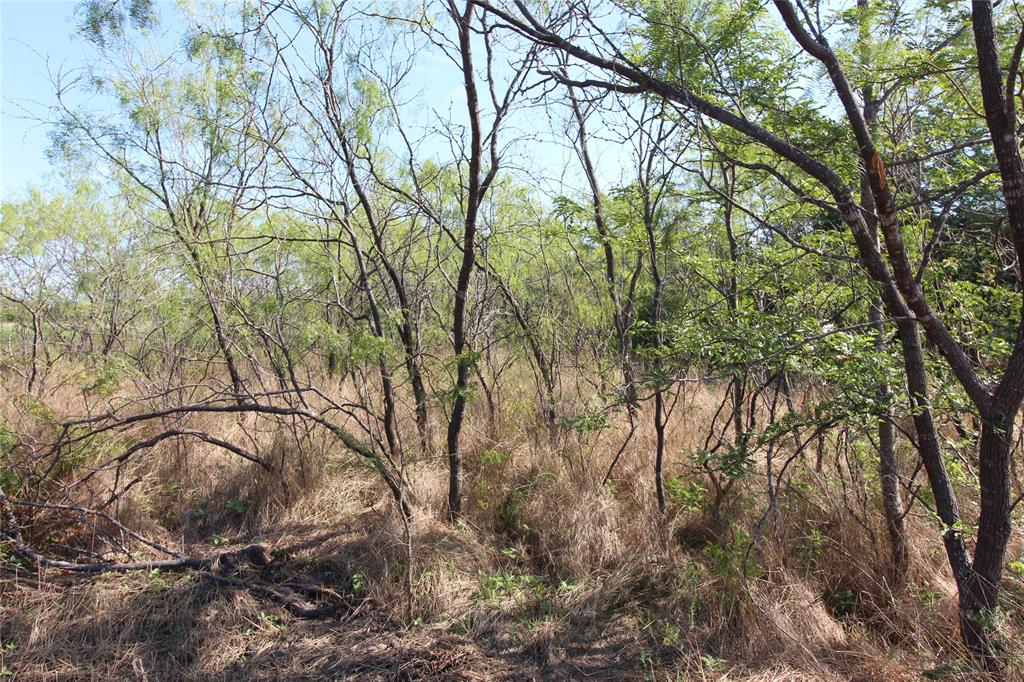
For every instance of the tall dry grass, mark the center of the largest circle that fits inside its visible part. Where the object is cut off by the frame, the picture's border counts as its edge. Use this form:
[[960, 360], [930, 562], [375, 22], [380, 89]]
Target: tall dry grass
[[550, 575]]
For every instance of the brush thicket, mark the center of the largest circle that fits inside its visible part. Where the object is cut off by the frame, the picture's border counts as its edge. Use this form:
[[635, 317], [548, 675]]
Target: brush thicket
[[550, 572]]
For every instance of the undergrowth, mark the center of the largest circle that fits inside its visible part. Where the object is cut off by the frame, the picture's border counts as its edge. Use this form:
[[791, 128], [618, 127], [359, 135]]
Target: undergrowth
[[550, 574]]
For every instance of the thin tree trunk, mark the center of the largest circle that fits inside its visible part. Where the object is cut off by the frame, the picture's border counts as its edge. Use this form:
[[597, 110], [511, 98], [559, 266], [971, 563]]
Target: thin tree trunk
[[474, 196], [406, 327], [946, 505], [619, 315], [739, 381], [888, 467], [658, 364], [223, 344], [888, 464]]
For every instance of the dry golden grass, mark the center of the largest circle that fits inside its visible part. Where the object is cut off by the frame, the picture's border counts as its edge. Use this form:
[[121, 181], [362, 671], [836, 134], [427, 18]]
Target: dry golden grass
[[550, 576]]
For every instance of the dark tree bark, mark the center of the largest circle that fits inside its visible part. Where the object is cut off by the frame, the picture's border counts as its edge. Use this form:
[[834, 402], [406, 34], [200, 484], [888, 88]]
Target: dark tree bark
[[475, 191], [658, 363]]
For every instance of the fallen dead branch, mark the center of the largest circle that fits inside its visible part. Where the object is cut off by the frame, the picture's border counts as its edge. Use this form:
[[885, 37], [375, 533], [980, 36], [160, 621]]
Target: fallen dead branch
[[241, 569]]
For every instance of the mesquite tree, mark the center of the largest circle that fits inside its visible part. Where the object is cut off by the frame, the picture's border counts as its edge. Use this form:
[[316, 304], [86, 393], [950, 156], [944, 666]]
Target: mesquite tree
[[996, 398]]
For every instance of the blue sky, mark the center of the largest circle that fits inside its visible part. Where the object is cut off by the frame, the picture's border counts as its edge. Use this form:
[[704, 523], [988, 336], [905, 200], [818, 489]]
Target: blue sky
[[35, 35], [37, 38]]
